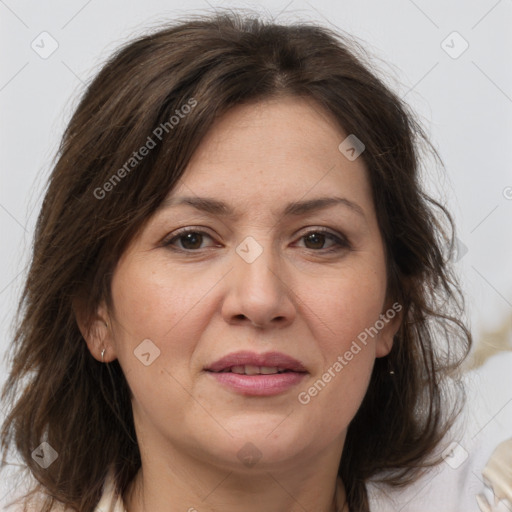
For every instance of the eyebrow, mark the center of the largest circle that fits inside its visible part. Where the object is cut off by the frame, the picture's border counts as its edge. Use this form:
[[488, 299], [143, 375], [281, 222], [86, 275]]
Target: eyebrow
[[295, 208]]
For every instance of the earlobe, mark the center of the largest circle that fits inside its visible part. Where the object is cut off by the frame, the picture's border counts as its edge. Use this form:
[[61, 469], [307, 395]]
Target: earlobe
[[390, 320], [96, 331], [384, 346]]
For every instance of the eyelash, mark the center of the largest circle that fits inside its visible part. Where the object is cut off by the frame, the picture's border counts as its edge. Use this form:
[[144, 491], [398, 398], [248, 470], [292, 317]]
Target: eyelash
[[340, 243]]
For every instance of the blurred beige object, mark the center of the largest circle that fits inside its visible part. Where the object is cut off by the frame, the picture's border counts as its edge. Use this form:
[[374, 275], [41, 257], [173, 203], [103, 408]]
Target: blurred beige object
[[497, 496], [491, 343]]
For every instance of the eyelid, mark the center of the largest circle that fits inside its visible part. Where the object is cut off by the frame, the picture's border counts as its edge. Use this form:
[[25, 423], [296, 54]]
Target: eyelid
[[176, 234], [340, 240]]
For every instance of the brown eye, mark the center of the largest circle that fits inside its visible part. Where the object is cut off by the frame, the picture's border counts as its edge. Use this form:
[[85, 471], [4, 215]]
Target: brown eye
[[191, 240], [187, 240], [315, 240]]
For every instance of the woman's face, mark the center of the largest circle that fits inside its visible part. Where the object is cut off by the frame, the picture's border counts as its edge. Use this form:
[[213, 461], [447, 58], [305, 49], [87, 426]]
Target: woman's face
[[267, 280]]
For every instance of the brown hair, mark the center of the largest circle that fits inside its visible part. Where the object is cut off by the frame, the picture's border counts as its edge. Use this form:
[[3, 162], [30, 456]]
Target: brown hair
[[81, 406]]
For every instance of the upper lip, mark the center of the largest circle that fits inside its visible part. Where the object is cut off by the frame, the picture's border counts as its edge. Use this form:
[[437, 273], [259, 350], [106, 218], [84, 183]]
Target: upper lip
[[268, 359]]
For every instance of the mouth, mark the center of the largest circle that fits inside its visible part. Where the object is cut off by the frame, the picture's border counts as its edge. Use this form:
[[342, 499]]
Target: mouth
[[253, 370], [248, 373], [251, 363]]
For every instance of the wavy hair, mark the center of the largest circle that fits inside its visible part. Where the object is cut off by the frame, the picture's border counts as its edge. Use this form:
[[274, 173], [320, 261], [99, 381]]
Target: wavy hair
[[56, 391]]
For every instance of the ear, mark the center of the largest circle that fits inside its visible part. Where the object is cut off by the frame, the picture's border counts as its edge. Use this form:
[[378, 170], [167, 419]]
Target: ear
[[391, 318], [96, 330]]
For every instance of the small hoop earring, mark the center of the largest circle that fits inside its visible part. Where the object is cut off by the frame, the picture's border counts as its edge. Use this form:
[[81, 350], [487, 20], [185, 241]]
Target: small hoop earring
[[103, 355]]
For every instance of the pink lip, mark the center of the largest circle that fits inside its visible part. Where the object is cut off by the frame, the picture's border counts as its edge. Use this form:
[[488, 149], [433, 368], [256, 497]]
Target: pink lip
[[258, 385], [245, 357]]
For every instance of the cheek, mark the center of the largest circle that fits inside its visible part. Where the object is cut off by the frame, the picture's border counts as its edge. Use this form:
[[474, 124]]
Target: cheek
[[345, 305], [173, 310], [153, 303], [342, 312], [160, 316]]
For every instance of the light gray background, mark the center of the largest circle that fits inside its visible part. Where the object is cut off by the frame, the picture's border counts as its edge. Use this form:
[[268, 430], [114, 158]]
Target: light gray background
[[465, 102]]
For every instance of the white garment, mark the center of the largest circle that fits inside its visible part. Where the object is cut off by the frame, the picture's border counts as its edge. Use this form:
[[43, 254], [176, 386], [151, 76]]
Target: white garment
[[110, 498], [486, 422]]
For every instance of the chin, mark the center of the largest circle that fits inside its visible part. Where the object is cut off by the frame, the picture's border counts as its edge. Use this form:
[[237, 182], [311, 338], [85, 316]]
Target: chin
[[264, 443]]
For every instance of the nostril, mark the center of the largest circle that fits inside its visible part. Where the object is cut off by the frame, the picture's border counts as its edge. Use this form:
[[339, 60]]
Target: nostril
[[242, 317]]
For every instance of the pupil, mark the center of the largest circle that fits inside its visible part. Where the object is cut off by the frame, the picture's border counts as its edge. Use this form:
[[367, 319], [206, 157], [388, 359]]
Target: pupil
[[316, 238], [191, 241]]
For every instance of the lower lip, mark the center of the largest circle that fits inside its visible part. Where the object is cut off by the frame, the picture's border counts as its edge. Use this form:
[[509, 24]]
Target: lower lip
[[258, 385]]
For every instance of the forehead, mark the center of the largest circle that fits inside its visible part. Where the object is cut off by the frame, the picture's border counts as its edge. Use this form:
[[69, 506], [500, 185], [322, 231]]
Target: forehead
[[273, 152]]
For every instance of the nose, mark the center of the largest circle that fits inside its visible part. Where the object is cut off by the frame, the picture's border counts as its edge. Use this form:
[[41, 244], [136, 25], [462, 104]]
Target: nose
[[257, 294]]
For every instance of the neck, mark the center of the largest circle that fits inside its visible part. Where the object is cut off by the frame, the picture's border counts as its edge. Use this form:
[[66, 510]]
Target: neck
[[207, 489]]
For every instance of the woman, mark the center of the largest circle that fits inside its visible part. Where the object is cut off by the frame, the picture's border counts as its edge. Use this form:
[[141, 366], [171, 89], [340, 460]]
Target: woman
[[239, 297]]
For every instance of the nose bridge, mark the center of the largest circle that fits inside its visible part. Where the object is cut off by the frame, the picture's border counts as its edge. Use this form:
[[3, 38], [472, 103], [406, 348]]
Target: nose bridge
[[257, 291], [256, 265]]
